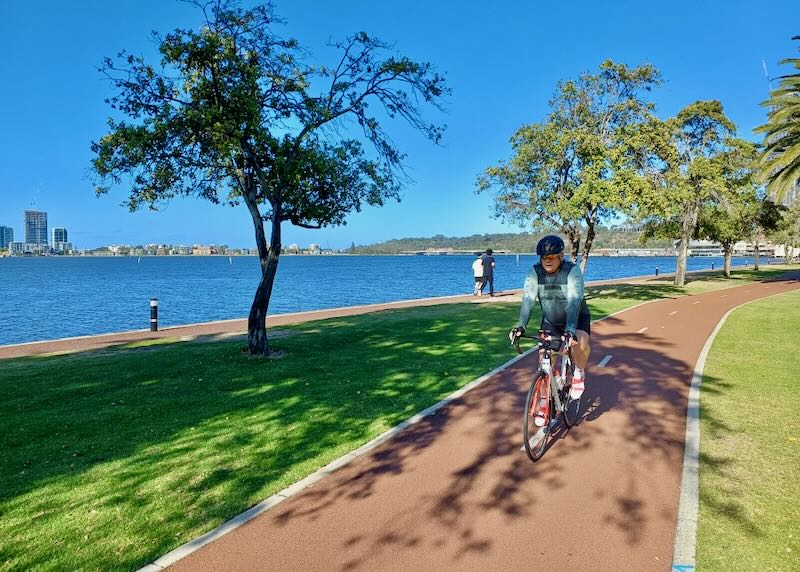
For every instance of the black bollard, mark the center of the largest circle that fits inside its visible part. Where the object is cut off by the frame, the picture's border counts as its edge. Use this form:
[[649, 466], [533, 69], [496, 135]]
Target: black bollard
[[656, 270], [153, 314], [712, 266]]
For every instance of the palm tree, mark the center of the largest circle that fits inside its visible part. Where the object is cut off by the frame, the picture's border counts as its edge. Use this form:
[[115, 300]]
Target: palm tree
[[780, 161]]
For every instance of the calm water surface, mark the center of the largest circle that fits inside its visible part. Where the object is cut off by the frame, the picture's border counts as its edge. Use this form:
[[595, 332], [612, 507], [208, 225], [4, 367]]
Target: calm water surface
[[50, 297]]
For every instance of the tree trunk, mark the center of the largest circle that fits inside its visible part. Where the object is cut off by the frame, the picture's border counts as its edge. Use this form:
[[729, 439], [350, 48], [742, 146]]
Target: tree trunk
[[687, 230], [728, 250], [587, 245], [574, 239], [756, 255], [257, 343]]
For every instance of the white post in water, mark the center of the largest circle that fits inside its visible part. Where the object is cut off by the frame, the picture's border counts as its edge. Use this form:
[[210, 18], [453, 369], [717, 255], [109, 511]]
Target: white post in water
[[153, 314], [517, 259]]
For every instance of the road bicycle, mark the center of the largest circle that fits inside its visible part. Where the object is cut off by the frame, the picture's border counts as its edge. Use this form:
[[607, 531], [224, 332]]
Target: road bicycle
[[548, 396]]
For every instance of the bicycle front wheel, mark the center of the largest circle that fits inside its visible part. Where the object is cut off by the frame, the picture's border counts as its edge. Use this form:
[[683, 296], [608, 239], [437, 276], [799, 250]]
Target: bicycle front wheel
[[535, 437]]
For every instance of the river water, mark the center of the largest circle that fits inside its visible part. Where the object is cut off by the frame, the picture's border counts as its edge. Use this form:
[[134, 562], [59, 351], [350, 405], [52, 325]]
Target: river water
[[54, 297]]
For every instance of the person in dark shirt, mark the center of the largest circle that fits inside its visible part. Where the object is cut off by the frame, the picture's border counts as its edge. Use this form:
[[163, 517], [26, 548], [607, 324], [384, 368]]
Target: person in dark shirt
[[488, 271]]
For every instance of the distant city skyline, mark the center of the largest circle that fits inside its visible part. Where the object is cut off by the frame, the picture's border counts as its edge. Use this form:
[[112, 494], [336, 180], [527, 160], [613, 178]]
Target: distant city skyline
[[502, 64]]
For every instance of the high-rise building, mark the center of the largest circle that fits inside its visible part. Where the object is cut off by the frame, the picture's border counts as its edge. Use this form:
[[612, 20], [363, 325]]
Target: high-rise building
[[6, 236], [59, 235], [36, 227]]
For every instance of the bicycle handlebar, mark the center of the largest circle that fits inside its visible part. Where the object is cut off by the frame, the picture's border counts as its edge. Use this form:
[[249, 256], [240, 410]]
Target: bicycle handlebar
[[544, 339]]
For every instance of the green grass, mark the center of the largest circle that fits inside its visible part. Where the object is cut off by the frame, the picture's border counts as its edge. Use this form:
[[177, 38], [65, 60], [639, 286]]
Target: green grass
[[111, 458], [750, 442]]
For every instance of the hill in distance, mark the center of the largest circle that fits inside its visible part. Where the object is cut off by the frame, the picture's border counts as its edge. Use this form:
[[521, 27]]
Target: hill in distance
[[515, 242]]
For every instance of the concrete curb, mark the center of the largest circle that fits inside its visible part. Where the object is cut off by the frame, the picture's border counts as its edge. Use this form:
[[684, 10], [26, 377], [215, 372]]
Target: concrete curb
[[193, 545], [684, 556]]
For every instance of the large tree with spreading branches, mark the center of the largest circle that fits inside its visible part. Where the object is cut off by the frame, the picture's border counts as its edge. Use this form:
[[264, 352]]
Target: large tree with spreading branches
[[233, 114], [688, 171], [582, 164]]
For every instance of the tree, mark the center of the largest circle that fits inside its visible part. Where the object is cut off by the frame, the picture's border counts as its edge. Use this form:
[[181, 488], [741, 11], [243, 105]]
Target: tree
[[582, 164], [780, 161], [788, 231], [233, 115], [767, 220], [728, 216], [690, 172]]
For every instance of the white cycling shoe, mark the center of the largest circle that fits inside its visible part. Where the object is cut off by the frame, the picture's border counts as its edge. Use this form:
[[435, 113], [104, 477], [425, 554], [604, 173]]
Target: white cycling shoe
[[577, 387]]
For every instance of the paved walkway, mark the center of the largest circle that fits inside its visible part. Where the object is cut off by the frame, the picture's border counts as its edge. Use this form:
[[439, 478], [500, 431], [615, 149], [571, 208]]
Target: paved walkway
[[455, 492], [224, 328]]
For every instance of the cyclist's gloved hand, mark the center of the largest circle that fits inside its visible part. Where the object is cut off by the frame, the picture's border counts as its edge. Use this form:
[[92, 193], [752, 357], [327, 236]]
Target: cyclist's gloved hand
[[516, 333], [569, 339]]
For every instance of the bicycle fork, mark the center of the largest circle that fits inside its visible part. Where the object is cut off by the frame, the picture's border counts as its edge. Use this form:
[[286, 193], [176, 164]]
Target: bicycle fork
[[551, 388]]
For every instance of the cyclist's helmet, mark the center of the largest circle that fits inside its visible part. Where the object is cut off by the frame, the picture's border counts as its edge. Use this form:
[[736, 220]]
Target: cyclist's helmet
[[550, 244]]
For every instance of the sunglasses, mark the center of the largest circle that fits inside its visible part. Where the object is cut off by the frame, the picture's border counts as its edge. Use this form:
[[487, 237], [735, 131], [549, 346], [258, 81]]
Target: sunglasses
[[551, 257]]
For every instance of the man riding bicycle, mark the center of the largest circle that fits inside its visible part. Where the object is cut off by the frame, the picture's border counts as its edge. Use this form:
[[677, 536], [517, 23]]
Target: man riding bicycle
[[558, 285]]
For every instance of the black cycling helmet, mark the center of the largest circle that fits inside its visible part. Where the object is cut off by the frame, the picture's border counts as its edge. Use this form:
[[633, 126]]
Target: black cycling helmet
[[550, 244]]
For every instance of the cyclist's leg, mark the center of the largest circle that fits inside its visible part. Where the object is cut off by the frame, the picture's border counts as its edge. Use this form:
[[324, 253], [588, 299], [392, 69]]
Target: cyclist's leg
[[581, 350], [580, 353]]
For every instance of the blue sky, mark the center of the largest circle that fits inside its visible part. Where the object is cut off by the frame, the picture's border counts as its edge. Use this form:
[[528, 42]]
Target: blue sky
[[502, 63]]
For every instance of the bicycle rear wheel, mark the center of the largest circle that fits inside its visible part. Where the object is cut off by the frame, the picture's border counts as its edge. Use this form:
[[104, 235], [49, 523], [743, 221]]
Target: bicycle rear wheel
[[535, 437]]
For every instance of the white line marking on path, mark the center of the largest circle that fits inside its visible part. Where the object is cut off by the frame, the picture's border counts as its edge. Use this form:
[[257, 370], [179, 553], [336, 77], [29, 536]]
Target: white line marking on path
[[747, 291], [642, 330], [673, 313], [695, 302], [605, 361], [724, 296]]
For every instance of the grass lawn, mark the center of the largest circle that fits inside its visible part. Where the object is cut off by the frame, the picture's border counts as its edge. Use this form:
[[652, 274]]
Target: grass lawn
[[109, 459], [750, 441]]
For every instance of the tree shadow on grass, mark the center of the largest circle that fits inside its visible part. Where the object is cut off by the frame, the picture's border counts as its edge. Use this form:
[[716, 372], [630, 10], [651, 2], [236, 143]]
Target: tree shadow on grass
[[722, 495], [208, 430], [492, 476], [639, 292]]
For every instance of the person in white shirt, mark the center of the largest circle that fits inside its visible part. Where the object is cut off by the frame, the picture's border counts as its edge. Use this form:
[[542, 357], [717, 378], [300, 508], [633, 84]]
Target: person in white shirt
[[477, 270]]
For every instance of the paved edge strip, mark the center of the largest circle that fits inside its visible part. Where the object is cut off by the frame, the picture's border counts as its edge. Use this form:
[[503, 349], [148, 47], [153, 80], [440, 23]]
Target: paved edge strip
[[684, 555], [196, 544]]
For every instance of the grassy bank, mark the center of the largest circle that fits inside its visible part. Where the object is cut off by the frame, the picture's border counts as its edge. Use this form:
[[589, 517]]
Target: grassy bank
[[750, 442], [110, 458]]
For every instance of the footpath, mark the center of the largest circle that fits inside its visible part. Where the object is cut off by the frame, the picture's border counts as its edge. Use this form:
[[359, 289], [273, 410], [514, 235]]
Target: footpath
[[456, 492]]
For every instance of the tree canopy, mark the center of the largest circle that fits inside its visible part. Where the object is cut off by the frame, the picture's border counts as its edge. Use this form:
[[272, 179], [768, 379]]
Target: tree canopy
[[581, 164], [687, 172]]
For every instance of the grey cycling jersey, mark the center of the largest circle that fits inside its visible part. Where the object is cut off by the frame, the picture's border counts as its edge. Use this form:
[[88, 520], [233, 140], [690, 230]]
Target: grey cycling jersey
[[560, 295]]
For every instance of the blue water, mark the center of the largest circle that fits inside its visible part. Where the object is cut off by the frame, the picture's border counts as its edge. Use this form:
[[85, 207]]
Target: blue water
[[49, 297]]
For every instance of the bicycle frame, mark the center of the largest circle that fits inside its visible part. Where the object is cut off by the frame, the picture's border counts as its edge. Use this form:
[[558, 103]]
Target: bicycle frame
[[546, 351], [556, 382]]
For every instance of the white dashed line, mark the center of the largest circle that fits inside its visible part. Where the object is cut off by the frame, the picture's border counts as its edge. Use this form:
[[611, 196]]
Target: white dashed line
[[605, 361], [724, 296], [695, 302], [642, 330], [673, 313]]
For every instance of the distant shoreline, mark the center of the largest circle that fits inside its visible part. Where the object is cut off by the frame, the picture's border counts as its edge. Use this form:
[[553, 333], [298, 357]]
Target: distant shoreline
[[434, 255]]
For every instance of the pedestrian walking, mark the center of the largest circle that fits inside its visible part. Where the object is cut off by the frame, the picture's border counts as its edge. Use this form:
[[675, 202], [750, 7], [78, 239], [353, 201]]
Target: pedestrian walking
[[477, 271], [488, 271]]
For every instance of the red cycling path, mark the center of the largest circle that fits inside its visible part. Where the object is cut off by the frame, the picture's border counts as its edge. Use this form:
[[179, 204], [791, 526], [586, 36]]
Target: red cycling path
[[455, 492]]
